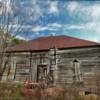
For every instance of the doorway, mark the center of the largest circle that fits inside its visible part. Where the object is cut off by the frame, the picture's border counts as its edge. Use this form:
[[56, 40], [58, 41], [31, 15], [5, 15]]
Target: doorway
[[42, 73]]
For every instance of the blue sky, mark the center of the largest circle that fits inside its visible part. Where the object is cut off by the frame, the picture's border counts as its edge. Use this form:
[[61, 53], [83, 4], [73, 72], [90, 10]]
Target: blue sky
[[59, 17]]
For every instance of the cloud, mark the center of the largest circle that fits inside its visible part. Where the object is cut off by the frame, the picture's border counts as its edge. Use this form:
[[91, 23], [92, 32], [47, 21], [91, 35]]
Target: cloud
[[37, 12], [87, 17], [32, 9], [50, 27], [53, 7], [95, 11], [89, 27], [71, 27], [40, 17], [56, 25], [72, 6], [39, 28], [86, 12], [19, 25]]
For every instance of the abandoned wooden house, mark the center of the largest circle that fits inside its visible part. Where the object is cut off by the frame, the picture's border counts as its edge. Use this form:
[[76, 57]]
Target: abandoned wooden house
[[53, 59]]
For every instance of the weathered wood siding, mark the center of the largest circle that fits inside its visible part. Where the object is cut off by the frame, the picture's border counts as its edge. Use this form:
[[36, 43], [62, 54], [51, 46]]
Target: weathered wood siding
[[24, 65], [88, 59]]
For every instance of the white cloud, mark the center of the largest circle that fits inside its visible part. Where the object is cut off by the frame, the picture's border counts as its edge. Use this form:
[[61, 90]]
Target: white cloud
[[86, 26], [19, 25], [37, 12], [56, 25], [53, 7], [38, 28], [33, 12], [51, 27], [89, 18], [90, 12], [72, 6], [94, 39], [95, 11], [90, 27], [70, 27]]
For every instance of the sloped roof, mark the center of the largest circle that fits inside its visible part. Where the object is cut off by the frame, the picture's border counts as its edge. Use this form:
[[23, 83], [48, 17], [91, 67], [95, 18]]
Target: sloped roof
[[45, 43]]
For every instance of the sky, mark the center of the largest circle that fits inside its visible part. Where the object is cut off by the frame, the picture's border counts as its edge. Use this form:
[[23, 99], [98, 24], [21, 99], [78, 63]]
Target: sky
[[74, 18]]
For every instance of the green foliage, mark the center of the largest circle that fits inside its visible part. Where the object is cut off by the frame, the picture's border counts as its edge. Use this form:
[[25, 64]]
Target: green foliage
[[17, 92], [6, 39], [17, 96], [5, 98], [16, 41]]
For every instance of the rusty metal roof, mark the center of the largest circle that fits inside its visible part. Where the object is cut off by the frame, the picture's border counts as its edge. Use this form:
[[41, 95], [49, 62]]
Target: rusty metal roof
[[45, 43]]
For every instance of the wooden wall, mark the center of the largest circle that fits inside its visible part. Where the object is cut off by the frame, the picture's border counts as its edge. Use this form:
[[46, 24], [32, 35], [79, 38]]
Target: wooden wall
[[24, 65], [88, 59]]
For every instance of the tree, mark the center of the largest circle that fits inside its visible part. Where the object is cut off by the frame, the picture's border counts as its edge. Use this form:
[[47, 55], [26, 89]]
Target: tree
[[11, 21], [16, 41]]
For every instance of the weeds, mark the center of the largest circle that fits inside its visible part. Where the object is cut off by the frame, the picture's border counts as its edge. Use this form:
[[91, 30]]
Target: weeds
[[9, 91]]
